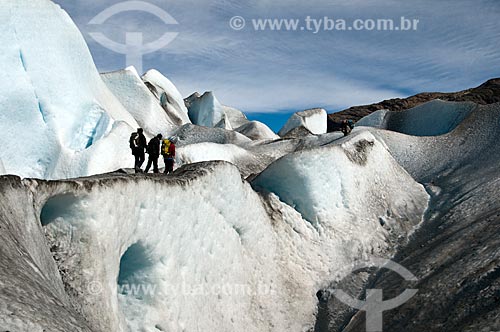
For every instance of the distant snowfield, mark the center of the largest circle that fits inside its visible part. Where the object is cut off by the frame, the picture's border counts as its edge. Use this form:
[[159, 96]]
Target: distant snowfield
[[245, 232]]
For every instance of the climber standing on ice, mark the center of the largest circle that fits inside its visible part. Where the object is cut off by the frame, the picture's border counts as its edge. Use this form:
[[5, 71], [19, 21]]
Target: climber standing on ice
[[168, 153], [346, 127], [138, 144], [153, 151]]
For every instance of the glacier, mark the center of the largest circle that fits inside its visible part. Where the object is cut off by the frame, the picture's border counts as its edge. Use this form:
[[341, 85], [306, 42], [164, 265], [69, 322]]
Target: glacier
[[296, 228], [455, 251], [83, 128], [51, 89], [246, 161], [253, 231], [231, 229], [375, 120]]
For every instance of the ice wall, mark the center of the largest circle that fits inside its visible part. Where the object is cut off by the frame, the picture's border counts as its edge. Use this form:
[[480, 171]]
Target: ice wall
[[138, 100], [53, 104], [167, 94], [433, 118], [206, 110]]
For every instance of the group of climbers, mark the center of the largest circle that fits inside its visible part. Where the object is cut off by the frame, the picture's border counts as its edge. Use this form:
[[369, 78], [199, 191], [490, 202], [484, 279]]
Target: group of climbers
[[166, 147], [157, 146]]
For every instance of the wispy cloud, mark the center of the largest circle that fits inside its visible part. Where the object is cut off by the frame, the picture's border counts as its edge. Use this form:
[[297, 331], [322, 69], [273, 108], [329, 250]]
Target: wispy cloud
[[455, 47]]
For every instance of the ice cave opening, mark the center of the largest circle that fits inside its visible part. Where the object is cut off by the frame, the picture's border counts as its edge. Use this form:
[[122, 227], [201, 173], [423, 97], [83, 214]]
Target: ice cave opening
[[138, 287], [59, 207], [134, 277]]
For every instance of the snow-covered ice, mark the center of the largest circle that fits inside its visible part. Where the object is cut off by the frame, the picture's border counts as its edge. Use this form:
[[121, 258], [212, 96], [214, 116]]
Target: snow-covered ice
[[206, 110], [170, 98], [51, 95], [192, 134], [256, 130], [457, 244], [242, 243], [137, 99], [246, 161], [358, 179], [232, 118], [232, 252], [375, 120], [314, 120], [433, 118]]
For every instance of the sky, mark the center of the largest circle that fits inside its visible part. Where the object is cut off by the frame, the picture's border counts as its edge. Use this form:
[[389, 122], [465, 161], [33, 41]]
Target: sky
[[270, 74]]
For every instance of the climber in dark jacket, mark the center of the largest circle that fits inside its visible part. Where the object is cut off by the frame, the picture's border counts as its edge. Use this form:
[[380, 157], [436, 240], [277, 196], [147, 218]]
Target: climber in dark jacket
[[153, 150], [346, 127], [138, 143]]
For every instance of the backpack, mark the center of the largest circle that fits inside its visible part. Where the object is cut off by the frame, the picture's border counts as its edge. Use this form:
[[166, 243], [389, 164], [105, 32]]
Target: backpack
[[150, 148], [134, 140], [165, 147]]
